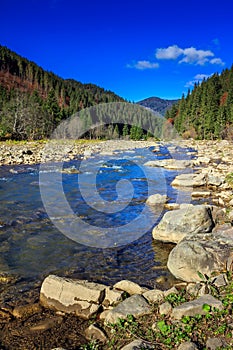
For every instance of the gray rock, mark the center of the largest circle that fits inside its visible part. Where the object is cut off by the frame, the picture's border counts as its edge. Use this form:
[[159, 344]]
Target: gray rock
[[215, 343], [206, 253], [194, 307], [177, 224], [187, 346], [156, 199], [189, 180], [165, 308], [154, 295], [135, 305], [80, 297], [138, 345]]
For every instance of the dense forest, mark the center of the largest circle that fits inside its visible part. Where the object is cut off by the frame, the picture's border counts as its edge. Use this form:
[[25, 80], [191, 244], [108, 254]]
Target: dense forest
[[33, 101], [207, 111]]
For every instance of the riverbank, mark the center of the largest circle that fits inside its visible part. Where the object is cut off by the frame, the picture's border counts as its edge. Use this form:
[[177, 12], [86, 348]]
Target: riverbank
[[35, 152], [29, 323]]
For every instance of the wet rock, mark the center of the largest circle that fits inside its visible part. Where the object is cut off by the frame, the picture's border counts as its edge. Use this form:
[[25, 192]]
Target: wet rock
[[156, 199], [138, 345], [135, 305], [205, 252], [177, 224], [129, 287], [80, 297], [194, 307], [93, 332]]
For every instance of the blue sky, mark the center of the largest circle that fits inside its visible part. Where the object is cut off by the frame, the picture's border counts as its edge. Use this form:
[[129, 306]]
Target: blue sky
[[137, 49]]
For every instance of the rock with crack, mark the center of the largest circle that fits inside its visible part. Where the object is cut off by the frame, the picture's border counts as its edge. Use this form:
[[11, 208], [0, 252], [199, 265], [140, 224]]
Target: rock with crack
[[205, 252], [80, 297], [177, 224]]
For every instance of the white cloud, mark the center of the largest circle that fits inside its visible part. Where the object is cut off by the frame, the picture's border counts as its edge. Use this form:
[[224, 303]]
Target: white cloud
[[194, 56], [196, 79], [189, 55], [169, 53], [141, 65], [217, 61]]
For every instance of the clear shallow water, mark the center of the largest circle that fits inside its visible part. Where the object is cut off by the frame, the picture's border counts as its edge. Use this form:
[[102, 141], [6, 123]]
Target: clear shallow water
[[32, 246]]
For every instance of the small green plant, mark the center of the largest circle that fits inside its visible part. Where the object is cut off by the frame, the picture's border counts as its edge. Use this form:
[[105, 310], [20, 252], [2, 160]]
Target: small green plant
[[209, 283], [93, 345], [176, 299], [229, 179]]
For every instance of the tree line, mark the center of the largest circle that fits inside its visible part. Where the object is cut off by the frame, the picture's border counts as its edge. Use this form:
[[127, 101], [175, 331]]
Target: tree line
[[207, 111]]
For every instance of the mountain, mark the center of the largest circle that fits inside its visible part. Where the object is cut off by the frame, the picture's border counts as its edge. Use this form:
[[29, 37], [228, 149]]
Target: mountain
[[207, 111], [157, 104], [34, 101]]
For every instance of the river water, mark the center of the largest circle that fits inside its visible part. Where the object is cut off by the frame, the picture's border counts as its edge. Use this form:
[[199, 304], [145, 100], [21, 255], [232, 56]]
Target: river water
[[112, 238]]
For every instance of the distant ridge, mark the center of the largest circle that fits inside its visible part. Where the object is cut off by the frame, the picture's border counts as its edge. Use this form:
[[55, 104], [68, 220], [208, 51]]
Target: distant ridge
[[157, 104]]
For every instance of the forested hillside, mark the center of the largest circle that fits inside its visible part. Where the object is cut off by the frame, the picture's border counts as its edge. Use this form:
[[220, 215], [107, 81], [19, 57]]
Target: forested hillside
[[207, 111], [33, 101]]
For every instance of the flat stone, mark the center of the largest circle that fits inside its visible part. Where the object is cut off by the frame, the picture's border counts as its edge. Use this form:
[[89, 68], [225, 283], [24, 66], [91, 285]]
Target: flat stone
[[201, 194], [189, 180], [177, 224], [135, 305], [194, 307], [173, 164], [138, 345], [129, 287], [46, 324], [80, 297]]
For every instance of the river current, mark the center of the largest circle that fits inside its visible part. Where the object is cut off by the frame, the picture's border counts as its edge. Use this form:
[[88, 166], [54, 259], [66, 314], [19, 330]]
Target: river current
[[32, 245]]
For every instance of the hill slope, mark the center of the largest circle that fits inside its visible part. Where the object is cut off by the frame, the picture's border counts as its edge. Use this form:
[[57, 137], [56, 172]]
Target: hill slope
[[157, 104], [34, 101]]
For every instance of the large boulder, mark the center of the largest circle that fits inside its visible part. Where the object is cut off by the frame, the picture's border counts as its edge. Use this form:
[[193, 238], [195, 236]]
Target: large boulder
[[177, 224], [205, 252]]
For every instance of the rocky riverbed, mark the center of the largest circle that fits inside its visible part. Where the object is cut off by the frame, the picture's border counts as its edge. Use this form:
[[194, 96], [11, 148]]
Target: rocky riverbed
[[56, 312]]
